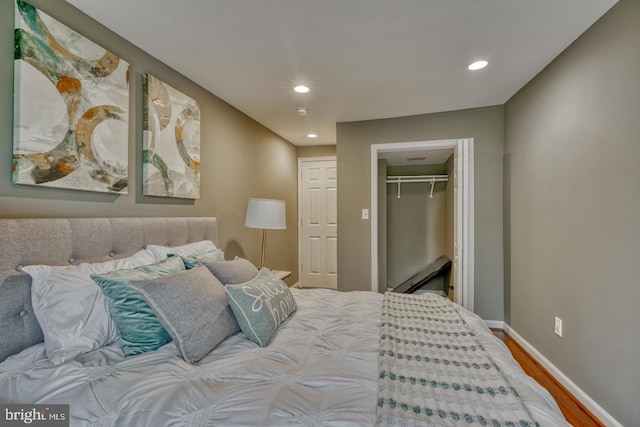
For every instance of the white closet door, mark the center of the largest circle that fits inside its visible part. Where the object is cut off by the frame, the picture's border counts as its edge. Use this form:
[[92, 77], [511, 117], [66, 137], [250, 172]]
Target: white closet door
[[318, 252], [457, 228]]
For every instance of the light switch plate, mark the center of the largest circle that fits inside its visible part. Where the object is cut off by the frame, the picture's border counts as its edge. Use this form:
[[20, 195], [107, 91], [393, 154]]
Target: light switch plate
[[558, 327], [365, 213]]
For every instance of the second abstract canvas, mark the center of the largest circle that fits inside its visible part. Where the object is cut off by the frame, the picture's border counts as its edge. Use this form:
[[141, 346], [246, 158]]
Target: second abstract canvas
[[171, 139]]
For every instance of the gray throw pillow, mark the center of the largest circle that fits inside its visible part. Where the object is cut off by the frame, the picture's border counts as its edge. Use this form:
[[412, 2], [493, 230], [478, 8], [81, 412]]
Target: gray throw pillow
[[193, 308], [238, 270], [260, 305]]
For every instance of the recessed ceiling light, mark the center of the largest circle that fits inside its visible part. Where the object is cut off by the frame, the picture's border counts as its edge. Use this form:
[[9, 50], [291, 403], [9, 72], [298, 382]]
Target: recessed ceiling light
[[312, 135], [478, 65], [301, 89]]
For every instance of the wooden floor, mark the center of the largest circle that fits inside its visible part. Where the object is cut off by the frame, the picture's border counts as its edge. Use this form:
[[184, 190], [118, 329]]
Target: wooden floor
[[573, 411]]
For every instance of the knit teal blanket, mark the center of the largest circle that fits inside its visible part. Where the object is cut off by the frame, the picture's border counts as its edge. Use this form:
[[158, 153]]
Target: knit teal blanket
[[434, 372]]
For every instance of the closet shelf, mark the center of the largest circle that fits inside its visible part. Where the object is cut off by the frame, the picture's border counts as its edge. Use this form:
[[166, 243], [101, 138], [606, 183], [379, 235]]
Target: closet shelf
[[416, 178], [400, 179]]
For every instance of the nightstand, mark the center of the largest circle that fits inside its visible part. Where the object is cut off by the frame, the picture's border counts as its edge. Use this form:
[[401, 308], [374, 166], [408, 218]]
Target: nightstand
[[281, 274]]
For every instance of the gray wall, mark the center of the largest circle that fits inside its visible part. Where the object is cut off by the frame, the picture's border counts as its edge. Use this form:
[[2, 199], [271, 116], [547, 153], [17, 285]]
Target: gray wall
[[316, 151], [240, 158], [354, 139], [573, 203]]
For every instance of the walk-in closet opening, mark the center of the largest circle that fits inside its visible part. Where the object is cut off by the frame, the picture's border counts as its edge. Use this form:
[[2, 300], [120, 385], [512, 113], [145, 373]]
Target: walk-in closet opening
[[419, 220], [422, 218]]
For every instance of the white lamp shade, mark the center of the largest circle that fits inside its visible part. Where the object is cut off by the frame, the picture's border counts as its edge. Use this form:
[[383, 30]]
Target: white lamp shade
[[268, 214]]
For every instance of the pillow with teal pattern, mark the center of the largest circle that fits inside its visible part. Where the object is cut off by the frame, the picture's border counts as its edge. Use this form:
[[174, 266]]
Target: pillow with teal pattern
[[139, 328], [260, 305], [191, 261], [161, 252]]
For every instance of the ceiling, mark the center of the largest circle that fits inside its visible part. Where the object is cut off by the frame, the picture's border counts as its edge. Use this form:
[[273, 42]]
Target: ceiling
[[362, 59]]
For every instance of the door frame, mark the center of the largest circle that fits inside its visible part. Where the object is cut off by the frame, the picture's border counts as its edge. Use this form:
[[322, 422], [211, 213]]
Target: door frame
[[301, 160], [464, 221]]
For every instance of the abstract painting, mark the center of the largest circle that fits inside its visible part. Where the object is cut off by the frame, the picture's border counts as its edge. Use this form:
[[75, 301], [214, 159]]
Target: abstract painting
[[171, 139], [71, 103]]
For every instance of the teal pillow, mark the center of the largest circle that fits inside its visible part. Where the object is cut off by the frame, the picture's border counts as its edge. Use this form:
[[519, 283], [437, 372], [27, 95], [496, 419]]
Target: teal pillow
[[260, 305], [137, 324], [191, 261]]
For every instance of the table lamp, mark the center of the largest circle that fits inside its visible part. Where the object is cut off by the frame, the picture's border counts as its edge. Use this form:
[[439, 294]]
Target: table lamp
[[267, 214]]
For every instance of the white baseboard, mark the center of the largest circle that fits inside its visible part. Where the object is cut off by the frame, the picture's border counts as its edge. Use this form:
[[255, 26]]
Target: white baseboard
[[579, 394], [296, 285], [495, 324]]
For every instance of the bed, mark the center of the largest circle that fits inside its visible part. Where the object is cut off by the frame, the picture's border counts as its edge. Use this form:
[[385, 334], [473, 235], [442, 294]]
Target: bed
[[339, 359]]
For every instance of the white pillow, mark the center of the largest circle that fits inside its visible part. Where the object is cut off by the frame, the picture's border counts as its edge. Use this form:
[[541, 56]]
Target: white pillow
[[161, 252], [71, 308]]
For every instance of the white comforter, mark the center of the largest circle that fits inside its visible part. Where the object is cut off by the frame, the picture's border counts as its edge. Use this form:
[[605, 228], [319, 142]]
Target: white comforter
[[320, 370]]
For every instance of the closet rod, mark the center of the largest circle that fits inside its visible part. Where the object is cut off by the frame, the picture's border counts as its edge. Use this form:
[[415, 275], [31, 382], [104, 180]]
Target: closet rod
[[399, 179], [417, 178]]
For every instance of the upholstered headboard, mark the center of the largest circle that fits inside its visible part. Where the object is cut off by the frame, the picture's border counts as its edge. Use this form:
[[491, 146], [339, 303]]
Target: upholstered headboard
[[64, 241]]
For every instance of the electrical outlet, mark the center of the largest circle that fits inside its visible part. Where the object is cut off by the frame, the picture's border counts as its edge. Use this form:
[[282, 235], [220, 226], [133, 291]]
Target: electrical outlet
[[558, 327]]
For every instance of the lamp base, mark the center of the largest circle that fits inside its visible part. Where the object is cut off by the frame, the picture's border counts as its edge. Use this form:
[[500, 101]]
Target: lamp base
[[264, 247]]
